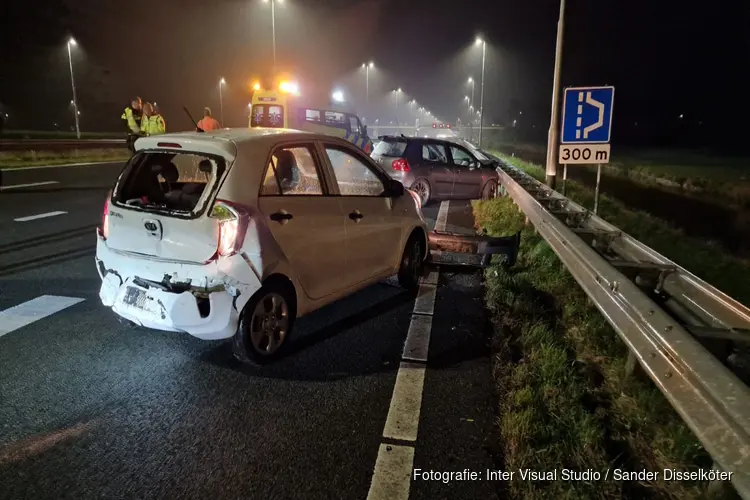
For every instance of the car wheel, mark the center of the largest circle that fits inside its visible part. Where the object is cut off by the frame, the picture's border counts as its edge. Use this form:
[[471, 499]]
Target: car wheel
[[412, 262], [422, 188], [490, 190], [265, 324]]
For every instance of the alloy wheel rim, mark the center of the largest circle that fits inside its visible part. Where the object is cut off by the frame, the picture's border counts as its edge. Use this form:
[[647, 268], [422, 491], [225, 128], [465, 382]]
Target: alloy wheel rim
[[269, 324]]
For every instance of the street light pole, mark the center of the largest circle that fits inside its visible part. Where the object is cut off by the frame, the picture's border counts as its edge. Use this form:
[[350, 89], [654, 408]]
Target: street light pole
[[554, 128], [471, 81], [71, 42], [273, 32], [481, 93], [221, 100], [398, 118]]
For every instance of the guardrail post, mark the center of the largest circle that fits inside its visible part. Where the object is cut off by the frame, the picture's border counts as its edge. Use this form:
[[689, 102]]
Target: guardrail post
[[632, 367]]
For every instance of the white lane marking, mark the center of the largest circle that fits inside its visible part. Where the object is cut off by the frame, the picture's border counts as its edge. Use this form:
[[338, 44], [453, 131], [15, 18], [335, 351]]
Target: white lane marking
[[33, 310], [425, 302], [39, 216], [418, 339], [38, 167], [442, 219], [31, 184], [403, 416], [391, 478]]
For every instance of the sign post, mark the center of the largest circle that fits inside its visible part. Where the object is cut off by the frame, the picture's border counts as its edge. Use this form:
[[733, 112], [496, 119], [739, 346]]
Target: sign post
[[586, 130]]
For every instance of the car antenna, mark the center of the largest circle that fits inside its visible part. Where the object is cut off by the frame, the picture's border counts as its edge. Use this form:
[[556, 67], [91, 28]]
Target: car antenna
[[197, 128]]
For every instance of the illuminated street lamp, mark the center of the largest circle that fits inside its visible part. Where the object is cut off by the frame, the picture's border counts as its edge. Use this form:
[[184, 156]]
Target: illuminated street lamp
[[483, 43], [72, 43], [222, 82], [273, 28], [338, 96]]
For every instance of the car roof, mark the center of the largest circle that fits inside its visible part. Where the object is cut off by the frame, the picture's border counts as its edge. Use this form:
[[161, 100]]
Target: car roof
[[411, 138], [227, 141]]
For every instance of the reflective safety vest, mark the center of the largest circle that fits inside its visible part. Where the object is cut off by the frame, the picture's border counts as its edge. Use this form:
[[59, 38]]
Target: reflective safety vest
[[132, 119], [153, 125]]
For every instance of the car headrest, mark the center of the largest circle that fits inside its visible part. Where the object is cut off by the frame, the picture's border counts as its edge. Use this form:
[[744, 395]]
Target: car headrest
[[206, 166], [286, 163], [168, 171]]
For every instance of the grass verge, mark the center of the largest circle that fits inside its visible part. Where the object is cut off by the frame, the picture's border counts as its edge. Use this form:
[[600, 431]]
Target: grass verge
[[566, 401], [21, 159], [12, 134], [721, 179], [704, 259]]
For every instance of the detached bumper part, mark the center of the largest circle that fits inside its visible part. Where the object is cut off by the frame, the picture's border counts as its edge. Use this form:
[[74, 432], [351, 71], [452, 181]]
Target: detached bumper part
[[452, 248]]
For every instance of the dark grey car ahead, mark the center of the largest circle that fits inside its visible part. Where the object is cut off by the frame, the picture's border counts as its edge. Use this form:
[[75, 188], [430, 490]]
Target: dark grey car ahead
[[436, 169]]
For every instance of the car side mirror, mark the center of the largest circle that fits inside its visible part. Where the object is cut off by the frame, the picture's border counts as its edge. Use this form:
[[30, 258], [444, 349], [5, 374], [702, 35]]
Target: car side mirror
[[395, 189]]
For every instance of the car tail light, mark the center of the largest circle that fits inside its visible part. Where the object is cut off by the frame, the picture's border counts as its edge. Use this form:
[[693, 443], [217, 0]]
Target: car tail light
[[232, 221], [401, 165], [104, 230]]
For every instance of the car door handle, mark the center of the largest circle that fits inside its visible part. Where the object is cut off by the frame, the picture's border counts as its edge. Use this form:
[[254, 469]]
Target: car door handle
[[356, 215], [282, 216]]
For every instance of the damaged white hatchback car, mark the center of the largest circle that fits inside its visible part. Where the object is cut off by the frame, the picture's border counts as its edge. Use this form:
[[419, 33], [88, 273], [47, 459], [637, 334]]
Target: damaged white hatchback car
[[235, 233]]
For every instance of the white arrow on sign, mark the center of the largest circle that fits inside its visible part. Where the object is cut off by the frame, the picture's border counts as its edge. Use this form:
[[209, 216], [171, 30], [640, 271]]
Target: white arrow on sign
[[600, 120]]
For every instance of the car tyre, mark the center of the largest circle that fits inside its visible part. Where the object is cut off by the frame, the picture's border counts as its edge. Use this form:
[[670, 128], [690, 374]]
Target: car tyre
[[490, 190], [265, 325], [412, 262], [422, 188]]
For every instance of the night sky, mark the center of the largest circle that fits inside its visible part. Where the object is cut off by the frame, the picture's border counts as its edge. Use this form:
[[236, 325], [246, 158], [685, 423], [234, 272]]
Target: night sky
[[665, 57]]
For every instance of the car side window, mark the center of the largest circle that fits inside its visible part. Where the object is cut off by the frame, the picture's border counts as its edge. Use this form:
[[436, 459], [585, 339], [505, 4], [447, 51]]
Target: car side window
[[434, 153], [461, 157], [291, 171], [353, 176]]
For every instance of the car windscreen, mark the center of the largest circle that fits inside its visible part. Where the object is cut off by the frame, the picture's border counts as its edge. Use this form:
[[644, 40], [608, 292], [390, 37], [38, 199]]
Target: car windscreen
[[476, 152], [165, 181], [390, 147]]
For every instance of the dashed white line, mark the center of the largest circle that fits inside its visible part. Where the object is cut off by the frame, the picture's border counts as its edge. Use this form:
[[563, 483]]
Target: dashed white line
[[403, 415], [39, 216], [31, 184], [391, 479], [39, 167], [33, 310]]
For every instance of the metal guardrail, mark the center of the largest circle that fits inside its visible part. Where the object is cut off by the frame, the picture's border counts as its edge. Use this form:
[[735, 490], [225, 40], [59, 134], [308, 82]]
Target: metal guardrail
[[670, 319], [59, 144]]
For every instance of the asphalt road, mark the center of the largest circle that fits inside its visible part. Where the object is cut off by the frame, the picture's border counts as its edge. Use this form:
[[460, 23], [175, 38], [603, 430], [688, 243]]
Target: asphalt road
[[91, 408]]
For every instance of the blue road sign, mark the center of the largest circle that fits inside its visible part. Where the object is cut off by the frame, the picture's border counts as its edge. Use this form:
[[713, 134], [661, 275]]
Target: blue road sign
[[587, 115]]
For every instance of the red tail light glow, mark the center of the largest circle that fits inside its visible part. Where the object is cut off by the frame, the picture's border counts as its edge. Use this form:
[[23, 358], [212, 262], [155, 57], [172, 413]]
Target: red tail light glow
[[104, 230], [232, 221], [401, 165]]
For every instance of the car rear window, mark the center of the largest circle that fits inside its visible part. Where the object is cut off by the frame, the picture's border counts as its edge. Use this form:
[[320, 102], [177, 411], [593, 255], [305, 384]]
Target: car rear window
[[166, 181], [390, 147]]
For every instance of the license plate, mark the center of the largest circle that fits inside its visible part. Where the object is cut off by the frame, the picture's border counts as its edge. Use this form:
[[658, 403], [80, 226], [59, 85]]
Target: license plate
[[135, 297]]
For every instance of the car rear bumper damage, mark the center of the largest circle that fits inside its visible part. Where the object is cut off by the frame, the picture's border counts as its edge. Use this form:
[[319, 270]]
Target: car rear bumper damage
[[203, 300]]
